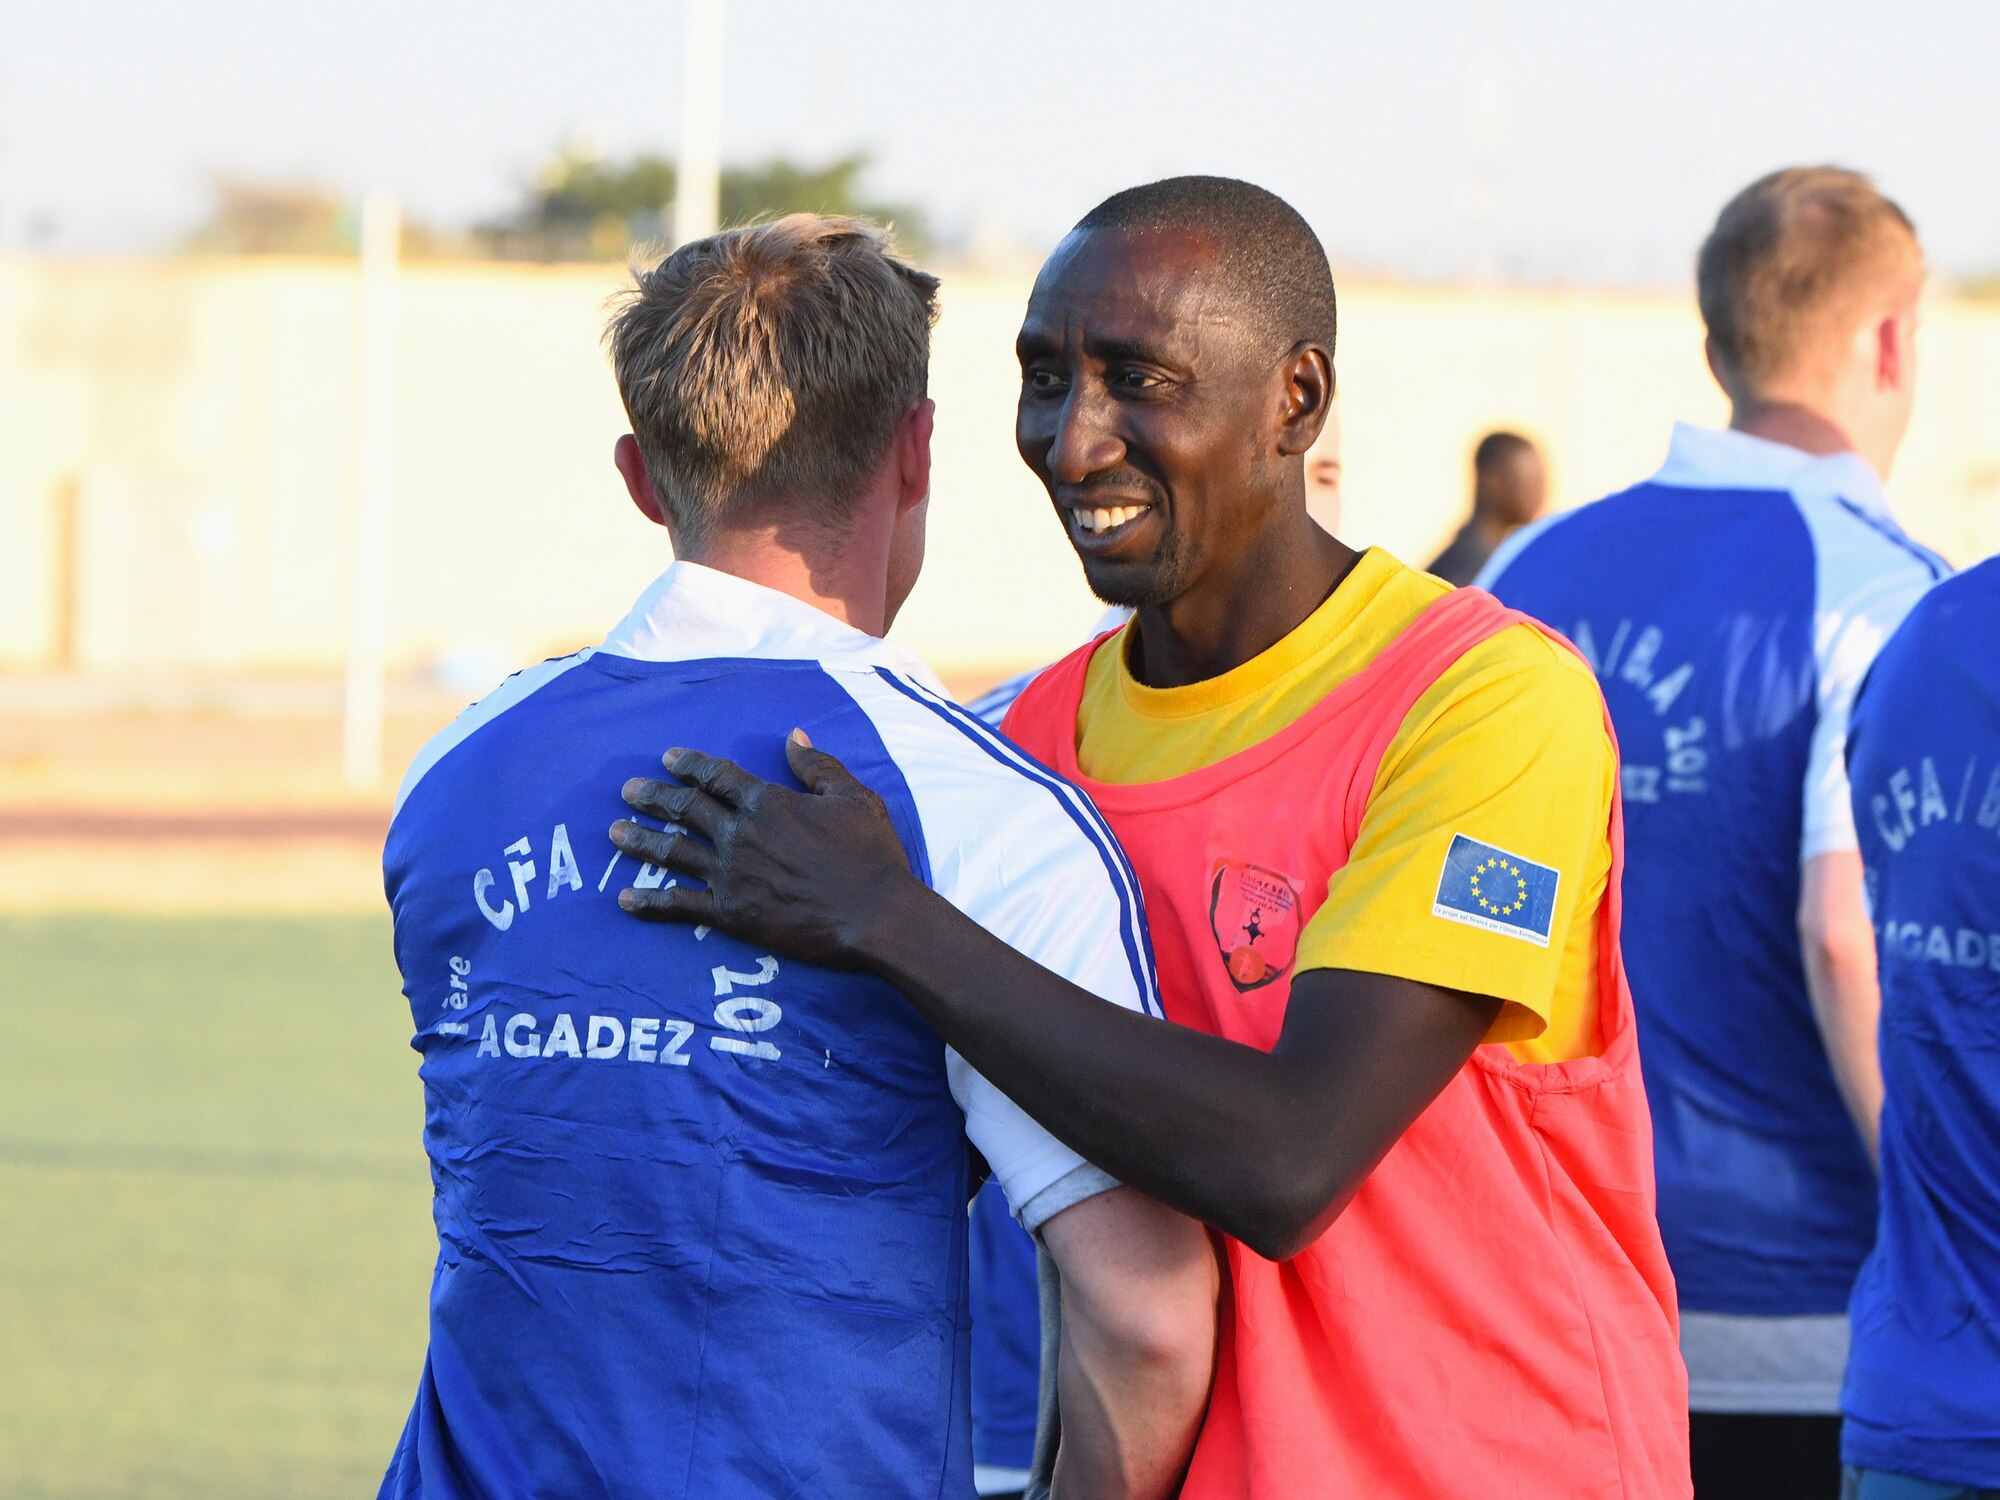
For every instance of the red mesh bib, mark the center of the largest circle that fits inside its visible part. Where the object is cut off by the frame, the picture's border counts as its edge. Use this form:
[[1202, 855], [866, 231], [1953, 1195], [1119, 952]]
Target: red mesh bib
[[1493, 1315]]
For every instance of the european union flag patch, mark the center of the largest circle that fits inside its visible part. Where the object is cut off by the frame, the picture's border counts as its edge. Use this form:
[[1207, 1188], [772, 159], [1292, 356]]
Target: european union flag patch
[[1487, 887]]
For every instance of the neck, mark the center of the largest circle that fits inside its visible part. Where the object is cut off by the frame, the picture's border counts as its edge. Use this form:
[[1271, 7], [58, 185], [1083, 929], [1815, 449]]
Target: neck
[[1242, 605], [1485, 528], [850, 583], [1793, 423]]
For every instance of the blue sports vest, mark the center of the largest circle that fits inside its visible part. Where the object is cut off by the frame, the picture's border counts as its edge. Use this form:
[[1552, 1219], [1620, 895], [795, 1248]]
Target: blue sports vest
[[708, 1207], [1697, 604], [1923, 1379]]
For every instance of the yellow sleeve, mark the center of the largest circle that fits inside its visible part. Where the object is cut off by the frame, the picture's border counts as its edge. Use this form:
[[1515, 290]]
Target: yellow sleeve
[[1506, 756]]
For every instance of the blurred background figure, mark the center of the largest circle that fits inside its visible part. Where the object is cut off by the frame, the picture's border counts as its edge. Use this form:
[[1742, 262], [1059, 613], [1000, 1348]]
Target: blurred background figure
[[1323, 473], [1731, 606], [1922, 1399], [1510, 485]]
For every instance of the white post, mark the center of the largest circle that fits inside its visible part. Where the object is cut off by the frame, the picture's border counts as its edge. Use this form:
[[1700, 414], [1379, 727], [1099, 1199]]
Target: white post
[[368, 541], [698, 174]]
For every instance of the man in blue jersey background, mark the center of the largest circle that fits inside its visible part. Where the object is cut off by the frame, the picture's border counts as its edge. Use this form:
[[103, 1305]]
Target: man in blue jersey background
[[701, 1212], [1731, 606], [1922, 1400]]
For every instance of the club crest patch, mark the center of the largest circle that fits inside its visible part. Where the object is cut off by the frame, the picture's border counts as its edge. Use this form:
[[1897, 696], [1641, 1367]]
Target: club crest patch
[[1254, 915], [1489, 888]]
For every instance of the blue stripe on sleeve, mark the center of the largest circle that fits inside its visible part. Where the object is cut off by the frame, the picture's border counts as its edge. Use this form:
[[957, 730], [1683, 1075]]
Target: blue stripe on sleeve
[[1133, 930], [1893, 535]]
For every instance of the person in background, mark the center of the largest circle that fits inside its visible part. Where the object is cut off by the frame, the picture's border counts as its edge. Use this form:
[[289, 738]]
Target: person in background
[[1922, 1398], [1731, 605], [1510, 486]]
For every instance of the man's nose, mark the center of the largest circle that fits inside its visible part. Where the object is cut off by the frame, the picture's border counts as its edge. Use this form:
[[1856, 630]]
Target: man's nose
[[1086, 436]]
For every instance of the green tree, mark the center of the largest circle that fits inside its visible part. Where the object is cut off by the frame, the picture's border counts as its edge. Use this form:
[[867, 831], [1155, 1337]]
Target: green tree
[[246, 217], [584, 207], [254, 218], [779, 186]]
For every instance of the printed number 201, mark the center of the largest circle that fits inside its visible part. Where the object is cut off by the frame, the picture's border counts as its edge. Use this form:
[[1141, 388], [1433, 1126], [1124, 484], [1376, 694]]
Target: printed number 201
[[746, 1013]]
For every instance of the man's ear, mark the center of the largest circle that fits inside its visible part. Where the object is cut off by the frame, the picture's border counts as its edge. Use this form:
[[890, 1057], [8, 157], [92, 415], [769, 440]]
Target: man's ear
[[1308, 396], [638, 483], [1893, 336], [913, 455]]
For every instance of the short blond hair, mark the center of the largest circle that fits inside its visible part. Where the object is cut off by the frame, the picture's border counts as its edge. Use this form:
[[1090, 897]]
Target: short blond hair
[[1790, 257], [772, 361]]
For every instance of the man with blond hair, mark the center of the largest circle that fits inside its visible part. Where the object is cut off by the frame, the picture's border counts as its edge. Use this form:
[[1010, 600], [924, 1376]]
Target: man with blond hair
[[1731, 606], [702, 1211]]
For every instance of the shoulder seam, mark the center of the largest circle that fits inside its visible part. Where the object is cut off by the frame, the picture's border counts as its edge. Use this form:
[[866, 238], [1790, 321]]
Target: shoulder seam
[[1547, 651], [1885, 530], [429, 758], [1078, 807], [1513, 548]]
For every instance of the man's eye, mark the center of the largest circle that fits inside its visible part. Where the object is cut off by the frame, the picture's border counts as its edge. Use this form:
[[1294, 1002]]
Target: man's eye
[[1132, 380], [1042, 382]]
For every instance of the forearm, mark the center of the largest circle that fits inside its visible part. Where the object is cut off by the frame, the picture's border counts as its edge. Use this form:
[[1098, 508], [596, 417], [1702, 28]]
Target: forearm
[[1136, 1352], [1128, 1424], [1837, 942], [1847, 1005], [1266, 1146], [1183, 1116]]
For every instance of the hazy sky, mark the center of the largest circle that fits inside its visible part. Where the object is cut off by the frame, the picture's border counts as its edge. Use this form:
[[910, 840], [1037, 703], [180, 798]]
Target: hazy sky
[[1539, 138]]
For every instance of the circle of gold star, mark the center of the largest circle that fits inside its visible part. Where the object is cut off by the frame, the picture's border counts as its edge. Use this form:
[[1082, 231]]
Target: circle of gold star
[[1520, 888]]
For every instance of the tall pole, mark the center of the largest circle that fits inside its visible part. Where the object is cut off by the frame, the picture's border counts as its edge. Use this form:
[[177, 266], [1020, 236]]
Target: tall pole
[[368, 541], [698, 174]]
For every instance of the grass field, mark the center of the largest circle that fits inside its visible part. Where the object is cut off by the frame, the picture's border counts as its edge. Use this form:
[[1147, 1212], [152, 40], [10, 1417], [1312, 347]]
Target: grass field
[[215, 1236]]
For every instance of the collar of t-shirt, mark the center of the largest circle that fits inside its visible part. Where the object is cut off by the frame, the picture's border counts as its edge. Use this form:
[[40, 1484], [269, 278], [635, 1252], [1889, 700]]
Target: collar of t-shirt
[[1705, 458], [694, 613]]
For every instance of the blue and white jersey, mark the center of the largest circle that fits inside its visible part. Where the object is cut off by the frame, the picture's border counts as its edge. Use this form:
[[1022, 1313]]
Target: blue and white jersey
[[1731, 606], [1923, 1378], [701, 1211]]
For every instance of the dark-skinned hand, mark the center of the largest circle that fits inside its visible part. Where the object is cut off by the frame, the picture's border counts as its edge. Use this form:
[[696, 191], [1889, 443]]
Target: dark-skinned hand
[[803, 873]]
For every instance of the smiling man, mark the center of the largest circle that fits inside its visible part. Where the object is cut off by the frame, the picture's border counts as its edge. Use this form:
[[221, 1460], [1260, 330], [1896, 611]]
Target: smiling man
[[1376, 826]]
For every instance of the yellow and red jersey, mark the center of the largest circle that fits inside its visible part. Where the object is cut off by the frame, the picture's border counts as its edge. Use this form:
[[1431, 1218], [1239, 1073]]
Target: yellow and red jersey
[[1508, 744], [1421, 783]]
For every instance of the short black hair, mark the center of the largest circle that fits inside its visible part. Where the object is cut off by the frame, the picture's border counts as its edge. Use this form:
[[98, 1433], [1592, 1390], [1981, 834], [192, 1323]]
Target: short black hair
[[1496, 448], [1275, 262]]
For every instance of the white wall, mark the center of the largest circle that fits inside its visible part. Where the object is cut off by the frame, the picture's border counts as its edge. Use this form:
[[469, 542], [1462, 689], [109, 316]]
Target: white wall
[[202, 414]]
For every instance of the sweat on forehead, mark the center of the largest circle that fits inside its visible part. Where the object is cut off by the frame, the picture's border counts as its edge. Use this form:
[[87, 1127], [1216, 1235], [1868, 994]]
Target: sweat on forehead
[[1269, 261]]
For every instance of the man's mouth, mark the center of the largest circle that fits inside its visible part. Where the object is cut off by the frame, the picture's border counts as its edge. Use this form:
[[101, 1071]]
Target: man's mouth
[[1098, 520]]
